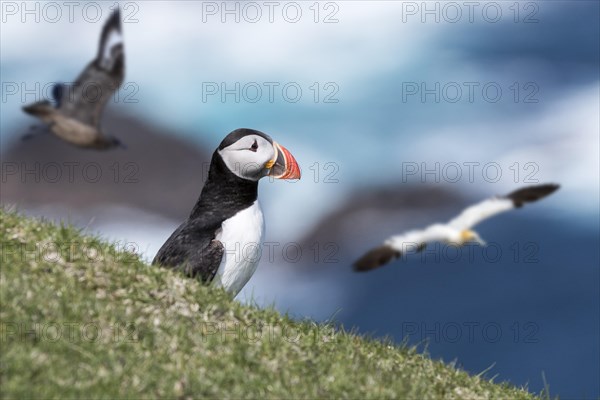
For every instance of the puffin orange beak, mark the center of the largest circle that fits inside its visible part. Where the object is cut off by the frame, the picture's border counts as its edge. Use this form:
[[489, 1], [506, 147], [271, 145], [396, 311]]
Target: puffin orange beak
[[283, 165]]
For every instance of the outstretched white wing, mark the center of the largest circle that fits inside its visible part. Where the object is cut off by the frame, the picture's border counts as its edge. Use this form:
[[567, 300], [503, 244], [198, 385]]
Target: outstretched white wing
[[474, 214], [496, 205]]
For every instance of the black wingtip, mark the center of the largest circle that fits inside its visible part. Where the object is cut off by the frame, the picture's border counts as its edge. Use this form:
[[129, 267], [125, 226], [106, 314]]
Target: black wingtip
[[376, 258], [532, 193], [114, 21]]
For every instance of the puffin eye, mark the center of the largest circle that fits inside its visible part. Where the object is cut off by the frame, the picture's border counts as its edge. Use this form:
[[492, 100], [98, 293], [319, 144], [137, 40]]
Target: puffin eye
[[254, 146]]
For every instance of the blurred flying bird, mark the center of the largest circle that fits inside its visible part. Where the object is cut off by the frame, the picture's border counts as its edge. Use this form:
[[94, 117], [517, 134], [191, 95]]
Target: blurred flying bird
[[456, 232], [221, 240], [77, 109]]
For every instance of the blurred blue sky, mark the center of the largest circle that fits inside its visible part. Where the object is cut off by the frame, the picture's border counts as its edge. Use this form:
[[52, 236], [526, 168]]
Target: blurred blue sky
[[543, 57], [373, 56]]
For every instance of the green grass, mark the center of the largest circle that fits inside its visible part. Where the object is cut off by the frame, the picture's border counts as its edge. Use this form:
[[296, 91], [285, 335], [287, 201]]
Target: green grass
[[79, 318]]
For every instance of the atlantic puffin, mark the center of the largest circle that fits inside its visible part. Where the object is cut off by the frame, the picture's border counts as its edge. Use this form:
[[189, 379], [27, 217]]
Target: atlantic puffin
[[457, 231], [75, 115], [220, 242]]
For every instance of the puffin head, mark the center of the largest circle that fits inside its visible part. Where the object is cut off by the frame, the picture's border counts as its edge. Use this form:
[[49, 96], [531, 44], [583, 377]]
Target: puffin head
[[251, 155]]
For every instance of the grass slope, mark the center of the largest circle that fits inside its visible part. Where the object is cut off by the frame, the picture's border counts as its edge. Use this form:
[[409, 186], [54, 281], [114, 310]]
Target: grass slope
[[81, 319]]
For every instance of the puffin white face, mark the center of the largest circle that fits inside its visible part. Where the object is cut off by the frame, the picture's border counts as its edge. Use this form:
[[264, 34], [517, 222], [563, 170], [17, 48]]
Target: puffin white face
[[254, 156], [248, 156]]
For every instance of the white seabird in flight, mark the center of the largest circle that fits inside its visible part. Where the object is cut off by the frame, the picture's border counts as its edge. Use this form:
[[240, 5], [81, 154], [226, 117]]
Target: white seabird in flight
[[456, 232]]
